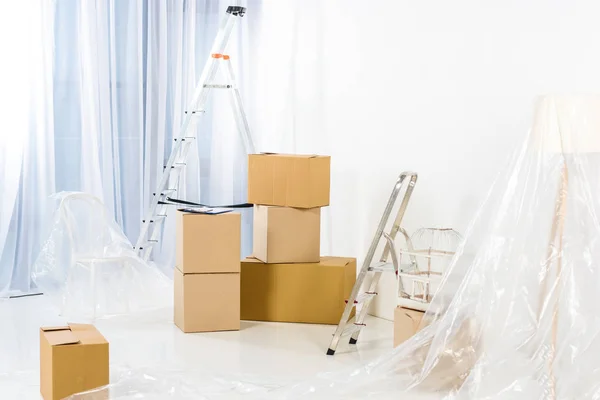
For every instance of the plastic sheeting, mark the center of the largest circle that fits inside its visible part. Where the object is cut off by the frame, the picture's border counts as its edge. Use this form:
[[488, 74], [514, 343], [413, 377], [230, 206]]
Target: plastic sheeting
[[519, 320], [88, 267], [523, 322], [157, 385]]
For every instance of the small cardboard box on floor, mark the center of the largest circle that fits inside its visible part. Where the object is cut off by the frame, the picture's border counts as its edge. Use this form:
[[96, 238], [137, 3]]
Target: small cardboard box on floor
[[406, 324], [73, 359], [296, 292], [300, 181], [207, 274], [286, 235]]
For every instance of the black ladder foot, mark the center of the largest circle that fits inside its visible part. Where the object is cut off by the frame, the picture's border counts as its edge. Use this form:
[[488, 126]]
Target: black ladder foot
[[353, 341], [330, 352]]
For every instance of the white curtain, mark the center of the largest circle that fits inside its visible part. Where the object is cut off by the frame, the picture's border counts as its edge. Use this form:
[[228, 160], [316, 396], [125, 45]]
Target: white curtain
[[26, 144], [109, 81]]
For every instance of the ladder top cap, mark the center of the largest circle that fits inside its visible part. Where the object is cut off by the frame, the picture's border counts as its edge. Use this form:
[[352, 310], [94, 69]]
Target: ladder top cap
[[236, 10]]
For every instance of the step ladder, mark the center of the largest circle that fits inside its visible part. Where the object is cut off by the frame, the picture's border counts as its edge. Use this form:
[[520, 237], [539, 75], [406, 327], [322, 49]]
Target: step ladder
[[167, 186], [359, 297]]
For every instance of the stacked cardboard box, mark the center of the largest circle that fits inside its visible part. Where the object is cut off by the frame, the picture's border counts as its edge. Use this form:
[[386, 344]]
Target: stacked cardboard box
[[288, 192], [286, 280], [207, 273], [297, 292]]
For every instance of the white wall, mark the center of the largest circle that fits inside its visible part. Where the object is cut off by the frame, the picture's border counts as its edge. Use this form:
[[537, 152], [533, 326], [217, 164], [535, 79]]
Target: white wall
[[442, 88]]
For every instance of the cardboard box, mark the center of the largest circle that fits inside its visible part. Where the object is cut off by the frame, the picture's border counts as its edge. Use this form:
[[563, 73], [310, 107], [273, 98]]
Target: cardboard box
[[207, 302], [300, 181], [306, 292], [208, 243], [73, 359], [406, 324], [283, 234]]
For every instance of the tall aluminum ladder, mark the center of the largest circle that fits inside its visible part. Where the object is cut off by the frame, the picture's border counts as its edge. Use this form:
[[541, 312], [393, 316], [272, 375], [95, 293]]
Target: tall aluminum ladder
[[359, 296], [167, 186]]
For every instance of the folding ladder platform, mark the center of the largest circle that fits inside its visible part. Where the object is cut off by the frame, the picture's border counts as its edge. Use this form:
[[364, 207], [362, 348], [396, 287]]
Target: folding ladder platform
[[361, 297], [167, 186]]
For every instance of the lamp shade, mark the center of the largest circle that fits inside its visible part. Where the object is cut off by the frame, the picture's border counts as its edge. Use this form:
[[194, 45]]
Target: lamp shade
[[567, 124]]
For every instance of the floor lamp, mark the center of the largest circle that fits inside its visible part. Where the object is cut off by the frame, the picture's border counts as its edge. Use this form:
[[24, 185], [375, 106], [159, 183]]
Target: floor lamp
[[568, 126]]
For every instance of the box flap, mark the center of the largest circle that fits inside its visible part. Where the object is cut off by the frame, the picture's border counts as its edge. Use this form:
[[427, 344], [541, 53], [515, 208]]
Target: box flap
[[413, 315], [61, 337], [251, 259], [81, 327], [411, 311], [87, 334], [336, 261], [325, 261], [291, 155], [55, 328]]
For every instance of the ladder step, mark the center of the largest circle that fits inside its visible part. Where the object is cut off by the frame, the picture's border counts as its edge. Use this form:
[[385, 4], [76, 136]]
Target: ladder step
[[178, 165], [353, 327], [166, 192], [382, 267], [148, 244], [389, 267], [363, 297], [157, 218], [217, 86]]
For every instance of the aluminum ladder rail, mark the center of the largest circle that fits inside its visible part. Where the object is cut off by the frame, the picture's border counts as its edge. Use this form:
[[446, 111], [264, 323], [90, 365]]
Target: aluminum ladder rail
[[167, 186], [353, 328]]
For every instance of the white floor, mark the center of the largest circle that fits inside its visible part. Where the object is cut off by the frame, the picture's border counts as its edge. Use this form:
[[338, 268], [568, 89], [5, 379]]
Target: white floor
[[261, 352]]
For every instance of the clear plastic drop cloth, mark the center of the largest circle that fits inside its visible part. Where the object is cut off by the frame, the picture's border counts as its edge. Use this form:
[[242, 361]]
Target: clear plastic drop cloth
[[521, 319], [517, 316], [152, 384], [88, 267]]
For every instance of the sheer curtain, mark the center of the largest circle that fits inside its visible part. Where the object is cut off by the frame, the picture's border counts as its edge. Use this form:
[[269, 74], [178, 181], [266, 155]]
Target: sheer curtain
[[26, 137], [109, 81]]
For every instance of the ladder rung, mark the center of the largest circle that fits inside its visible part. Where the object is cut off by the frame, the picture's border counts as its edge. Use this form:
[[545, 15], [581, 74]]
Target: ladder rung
[[148, 244], [382, 267], [217, 86], [363, 297], [166, 192], [389, 267], [352, 327], [195, 112], [156, 218]]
